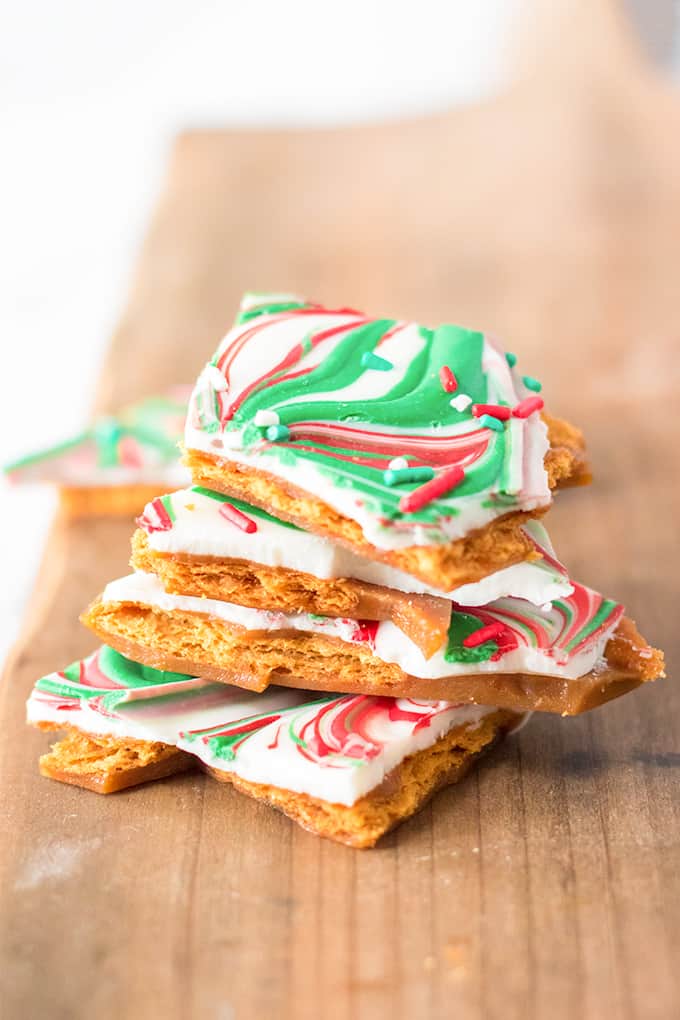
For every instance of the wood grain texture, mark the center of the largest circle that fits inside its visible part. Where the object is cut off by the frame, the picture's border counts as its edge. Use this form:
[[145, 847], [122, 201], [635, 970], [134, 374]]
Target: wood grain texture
[[548, 883]]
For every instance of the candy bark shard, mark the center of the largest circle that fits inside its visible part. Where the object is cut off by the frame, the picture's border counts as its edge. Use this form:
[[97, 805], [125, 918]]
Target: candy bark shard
[[549, 660], [194, 554], [184, 541], [346, 423], [119, 463], [348, 768]]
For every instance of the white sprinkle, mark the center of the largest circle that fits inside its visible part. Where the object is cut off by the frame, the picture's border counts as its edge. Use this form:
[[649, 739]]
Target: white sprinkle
[[215, 378], [461, 402], [398, 464], [265, 418], [546, 607]]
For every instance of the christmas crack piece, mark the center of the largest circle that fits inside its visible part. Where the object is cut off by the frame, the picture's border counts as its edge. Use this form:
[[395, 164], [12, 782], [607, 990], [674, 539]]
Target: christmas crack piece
[[119, 463], [568, 656], [249, 557], [422, 448], [349, 768]]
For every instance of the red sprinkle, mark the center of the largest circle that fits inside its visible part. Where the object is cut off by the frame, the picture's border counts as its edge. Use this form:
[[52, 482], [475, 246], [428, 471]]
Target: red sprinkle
[[424, 494], [235, 516], [365, 631], [527, 407], [488, 633], [495, 410], [448, 379]]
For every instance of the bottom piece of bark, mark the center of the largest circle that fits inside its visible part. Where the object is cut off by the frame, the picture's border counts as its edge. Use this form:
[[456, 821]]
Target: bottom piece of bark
[[106, 764]]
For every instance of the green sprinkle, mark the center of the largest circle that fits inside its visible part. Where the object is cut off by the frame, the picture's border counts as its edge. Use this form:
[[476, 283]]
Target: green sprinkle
[[460, 627], [399, 476], [277, 432], [531, 383], [511, 359], [371, 360], [489, 422]]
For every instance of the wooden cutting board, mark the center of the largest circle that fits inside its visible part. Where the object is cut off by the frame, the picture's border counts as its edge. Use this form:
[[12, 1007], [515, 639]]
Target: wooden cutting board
[[548, 883]]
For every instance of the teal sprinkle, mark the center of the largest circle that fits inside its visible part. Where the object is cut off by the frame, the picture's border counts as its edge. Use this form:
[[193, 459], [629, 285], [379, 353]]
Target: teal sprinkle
[[107, 435], [277, 432], [511, 359], [402, 475], [371, 360], [531, 383], [489, 422]]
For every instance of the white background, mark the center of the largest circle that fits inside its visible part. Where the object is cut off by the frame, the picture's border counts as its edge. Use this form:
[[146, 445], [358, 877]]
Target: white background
[[91, 94]]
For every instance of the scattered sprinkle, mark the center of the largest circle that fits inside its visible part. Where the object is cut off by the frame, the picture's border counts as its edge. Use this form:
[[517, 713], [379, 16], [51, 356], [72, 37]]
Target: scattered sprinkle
[[439, 486], [448, 379], [275, 433], [107, 430], [484, 634], [511, 359], [265, 418], [407, 474], [461, 402], [398, 464], [494, 410], [234, 516], [371, 360], [491, 423], [215, 378], [531, 383], [527, 407]]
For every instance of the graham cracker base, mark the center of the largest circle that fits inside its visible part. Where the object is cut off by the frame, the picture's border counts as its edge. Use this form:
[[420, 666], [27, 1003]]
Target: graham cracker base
[[567, 460], [105, 764]]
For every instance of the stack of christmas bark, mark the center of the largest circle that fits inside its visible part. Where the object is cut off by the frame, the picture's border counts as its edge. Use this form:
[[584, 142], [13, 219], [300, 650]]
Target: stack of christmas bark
[[355, 598]]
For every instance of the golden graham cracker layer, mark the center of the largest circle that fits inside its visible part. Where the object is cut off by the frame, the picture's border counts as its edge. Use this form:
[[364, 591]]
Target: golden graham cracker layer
[[423, 618], [202, 645], [469, 559], [567, 459], [105, 764], [109, 764]]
